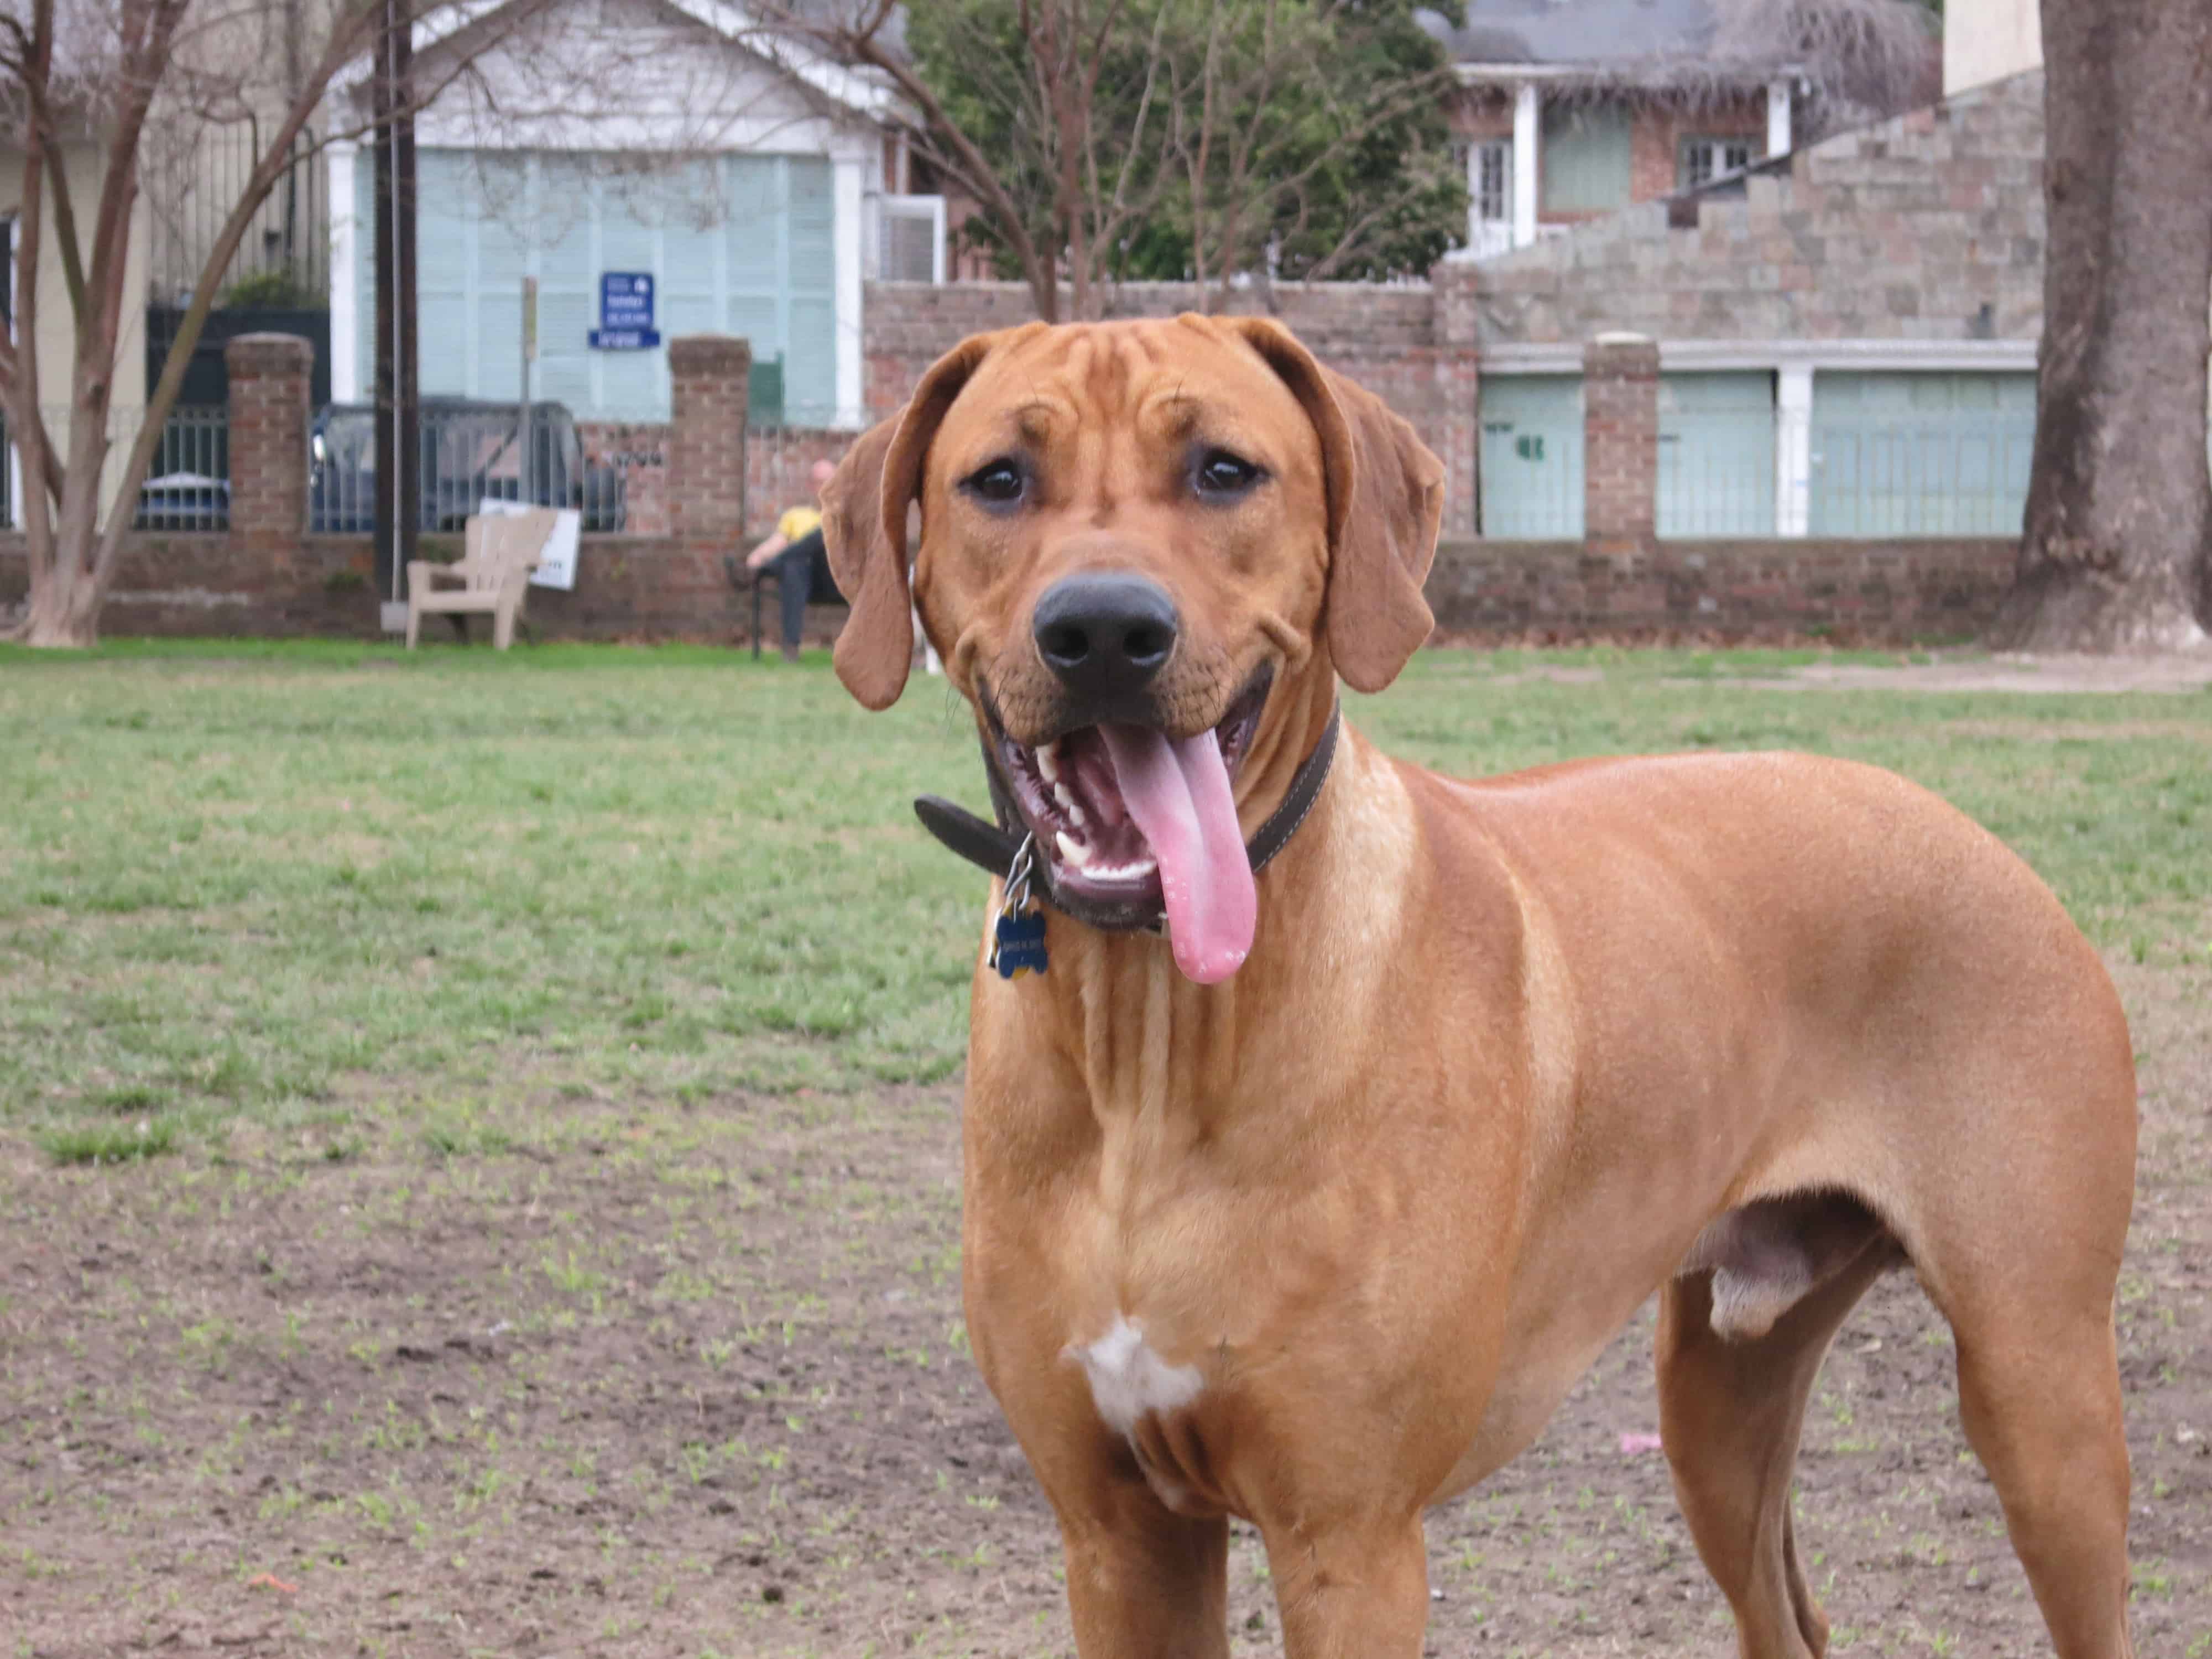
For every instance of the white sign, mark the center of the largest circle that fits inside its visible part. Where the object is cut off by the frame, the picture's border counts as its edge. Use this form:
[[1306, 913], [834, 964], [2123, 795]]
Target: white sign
[[556, 562]]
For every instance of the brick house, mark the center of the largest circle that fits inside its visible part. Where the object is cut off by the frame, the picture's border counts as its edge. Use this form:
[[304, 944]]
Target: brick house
[[1569, 110]]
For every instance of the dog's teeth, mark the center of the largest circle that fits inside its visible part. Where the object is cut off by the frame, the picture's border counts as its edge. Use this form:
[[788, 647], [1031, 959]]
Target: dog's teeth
[[1071, 850], [1075, 815], [1060, 794], [1049, 763], [1123, 871]]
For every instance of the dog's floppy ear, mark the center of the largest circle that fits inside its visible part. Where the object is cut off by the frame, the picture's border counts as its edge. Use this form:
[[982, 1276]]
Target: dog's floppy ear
[[1386, 502], [863, 508]]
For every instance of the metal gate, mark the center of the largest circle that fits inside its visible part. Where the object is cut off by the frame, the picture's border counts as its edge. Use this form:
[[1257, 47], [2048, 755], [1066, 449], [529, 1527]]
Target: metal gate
[[1532, 456], [1921, 453], [1717, 454]]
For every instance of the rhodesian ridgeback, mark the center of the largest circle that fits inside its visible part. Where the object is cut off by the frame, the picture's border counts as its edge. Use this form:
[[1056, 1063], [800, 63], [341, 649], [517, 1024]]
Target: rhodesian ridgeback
[[1303, 1195]]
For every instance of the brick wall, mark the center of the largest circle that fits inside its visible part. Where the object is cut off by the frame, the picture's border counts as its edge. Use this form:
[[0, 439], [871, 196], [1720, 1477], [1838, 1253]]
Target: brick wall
[[778, 464], [270, 377], [628, 588], [638, 450], [778, 460], [1389, 337], [1849, 593], [654, 588], [707, 400], [1620, 441]]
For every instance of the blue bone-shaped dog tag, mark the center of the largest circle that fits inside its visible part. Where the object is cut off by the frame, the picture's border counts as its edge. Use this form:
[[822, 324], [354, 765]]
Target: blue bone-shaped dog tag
[[1018, 948]]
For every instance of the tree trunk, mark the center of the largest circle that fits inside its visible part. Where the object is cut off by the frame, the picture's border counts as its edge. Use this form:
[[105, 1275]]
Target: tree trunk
[[64, 613], [64, 605], [2118, 553]]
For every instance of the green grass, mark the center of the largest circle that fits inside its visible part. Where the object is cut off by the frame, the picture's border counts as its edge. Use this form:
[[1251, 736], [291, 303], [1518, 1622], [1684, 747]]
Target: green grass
[[253, 884], [107, 1143]]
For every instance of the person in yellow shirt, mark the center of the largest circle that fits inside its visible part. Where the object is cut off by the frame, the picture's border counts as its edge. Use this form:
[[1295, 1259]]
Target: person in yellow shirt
[[796, 550]]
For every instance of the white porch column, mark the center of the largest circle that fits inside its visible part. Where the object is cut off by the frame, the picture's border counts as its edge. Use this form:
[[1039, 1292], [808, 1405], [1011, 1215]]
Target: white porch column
[[1793, 450], [1527, 136], [345, 302], [848, 197], [1475, 197], [1778, 118]]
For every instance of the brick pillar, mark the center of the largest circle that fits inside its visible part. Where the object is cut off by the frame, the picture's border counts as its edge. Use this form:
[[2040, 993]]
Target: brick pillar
[[1453, 286], [269, 416], [706, 439], [1620, 442]]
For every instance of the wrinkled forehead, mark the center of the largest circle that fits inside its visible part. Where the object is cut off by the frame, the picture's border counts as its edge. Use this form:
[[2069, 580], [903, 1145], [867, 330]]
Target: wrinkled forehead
[[1165, 384]]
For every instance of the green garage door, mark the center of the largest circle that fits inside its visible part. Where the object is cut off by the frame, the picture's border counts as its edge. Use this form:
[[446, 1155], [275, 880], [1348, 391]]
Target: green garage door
[[1921, 454], [1717, 454], [738, 245], [1532, 456]]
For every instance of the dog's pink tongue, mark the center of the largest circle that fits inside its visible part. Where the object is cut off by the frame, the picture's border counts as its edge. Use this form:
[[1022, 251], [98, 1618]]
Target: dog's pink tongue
[[1177, 790]]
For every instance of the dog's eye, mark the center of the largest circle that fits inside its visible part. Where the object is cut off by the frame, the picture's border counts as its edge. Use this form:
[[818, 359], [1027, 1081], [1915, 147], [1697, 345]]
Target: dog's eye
[[999, 483], [1220, 473]]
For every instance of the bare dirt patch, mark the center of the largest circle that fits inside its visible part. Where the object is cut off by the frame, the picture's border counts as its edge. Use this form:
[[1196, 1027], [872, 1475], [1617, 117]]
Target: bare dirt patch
[[2012, 671], [592, 1381]]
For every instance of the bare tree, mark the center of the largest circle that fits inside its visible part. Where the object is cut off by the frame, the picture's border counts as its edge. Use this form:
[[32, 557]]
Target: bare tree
[[139, 82], [2117, 555], [1096, 136], [1265, 125], [1857, 60], [1051, 134], [93, 77]]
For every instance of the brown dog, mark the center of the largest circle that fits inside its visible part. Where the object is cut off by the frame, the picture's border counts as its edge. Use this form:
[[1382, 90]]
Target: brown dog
[[1311, 1210]]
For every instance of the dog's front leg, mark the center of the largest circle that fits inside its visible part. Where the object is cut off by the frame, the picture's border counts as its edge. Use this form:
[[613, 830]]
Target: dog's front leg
[[1144, 1583], [1351, 1588]]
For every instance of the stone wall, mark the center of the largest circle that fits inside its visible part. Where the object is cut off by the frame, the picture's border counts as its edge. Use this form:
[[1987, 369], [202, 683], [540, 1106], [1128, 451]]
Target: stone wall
[[1929, 226]]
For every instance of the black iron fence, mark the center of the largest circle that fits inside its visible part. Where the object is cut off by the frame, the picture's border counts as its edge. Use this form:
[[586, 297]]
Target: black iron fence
[[187, 482], [196, 176], [468, 452]]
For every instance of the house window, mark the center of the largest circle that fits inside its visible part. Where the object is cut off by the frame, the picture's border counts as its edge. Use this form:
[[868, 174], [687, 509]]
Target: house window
[[740, 243], [1586, 157], [1490, 180], [1704, 159]]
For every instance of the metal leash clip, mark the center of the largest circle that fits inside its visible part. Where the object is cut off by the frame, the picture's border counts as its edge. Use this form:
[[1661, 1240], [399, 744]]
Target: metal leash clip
[[1018, 940]]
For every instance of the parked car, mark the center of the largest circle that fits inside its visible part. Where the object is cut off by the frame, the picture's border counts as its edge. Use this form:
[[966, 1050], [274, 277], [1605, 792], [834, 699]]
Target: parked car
[[469, 451], [185, 501]]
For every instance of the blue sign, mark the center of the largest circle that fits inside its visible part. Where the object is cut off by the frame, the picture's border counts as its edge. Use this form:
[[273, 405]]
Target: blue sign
[[625, 313]]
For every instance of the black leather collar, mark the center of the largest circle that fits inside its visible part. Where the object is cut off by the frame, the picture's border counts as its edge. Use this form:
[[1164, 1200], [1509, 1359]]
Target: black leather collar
[[993, 846]]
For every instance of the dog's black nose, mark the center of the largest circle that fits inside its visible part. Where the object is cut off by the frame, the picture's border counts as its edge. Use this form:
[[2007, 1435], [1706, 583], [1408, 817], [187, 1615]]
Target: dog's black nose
[[1105, 633]]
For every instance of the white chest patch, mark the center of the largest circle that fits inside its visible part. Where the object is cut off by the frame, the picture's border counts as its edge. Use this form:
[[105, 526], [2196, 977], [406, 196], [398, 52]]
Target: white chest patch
[[1128, 1379]]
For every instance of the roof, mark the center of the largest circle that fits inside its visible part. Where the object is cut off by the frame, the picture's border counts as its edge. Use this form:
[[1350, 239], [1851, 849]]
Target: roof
[[1564, 31], [1603, 36], [859, 90]]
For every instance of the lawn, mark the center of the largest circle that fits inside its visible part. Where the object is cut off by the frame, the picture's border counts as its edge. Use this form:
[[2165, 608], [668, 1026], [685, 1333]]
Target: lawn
[[477, 1135]]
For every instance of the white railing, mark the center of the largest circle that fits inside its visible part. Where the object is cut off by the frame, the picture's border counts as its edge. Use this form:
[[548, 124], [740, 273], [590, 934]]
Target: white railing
[[909, 242]]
